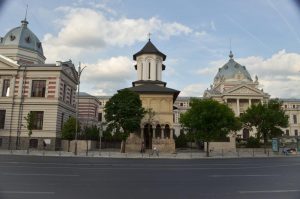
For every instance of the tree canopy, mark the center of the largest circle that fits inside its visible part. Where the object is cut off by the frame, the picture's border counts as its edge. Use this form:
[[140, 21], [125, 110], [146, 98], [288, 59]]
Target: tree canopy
[[123, 113], [69, 129], [209, 120], [267, 118]]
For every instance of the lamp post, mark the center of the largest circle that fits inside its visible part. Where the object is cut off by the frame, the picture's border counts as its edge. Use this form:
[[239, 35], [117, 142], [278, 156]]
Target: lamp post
[[77, 104]]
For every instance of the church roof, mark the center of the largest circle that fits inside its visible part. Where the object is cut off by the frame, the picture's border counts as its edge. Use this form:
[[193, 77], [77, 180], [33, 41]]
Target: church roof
[[22, 37], [230, 70], [149, 48], [153, 88]]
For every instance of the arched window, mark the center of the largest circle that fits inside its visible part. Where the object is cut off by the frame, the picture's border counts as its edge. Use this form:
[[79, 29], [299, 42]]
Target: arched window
[[149, 70], [167, 131], [158, 131]]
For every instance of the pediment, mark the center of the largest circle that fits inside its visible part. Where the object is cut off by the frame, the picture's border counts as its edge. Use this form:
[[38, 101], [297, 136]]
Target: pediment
[[70, 71], [244, 90], [7, 63]]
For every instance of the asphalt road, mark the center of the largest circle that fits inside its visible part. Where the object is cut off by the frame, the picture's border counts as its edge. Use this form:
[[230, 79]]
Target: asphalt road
[[31, 177]]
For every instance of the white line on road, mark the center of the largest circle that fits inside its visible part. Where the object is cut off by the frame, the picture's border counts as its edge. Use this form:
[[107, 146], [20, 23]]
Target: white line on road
[[250, 175], [25, 192], [269, 191], [40, 174]]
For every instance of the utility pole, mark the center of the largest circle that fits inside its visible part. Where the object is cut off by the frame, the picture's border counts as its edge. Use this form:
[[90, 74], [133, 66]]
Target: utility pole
[[77, 104], [100, 136]]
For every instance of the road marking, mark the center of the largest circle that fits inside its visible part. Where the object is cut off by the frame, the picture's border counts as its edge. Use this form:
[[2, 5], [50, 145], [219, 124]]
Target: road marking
[[40, 174], [250, 175], [25, 192], [269, 191]]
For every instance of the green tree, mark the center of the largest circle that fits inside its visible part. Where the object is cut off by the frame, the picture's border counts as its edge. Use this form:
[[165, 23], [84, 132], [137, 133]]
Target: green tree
[[30, 118], [123, 114], [69, 129], [267, 118], [208, 120]]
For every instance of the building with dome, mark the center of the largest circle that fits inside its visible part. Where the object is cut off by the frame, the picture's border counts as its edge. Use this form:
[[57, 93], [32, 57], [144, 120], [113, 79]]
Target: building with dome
[[28, 84]]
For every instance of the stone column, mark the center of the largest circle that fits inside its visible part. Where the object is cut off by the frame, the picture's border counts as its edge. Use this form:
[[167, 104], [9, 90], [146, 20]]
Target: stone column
[[153, 133], [250, 103], [225, 100], [238, 106], [142, 133], [162, 133]]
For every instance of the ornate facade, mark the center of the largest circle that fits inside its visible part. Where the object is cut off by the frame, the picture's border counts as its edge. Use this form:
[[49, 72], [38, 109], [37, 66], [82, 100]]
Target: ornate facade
[[27, 84]]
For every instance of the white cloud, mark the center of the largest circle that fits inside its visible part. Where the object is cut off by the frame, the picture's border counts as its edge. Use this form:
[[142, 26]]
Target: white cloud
[[86, 29], [107, 76], [195, 90]]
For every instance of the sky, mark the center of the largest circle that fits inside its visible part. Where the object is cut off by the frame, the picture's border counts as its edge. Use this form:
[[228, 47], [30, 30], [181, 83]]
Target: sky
[[195, 35]]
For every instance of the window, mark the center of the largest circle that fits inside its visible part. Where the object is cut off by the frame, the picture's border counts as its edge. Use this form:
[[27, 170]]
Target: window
[[181, 104], [287, 132], [100, 117], [38, 88], [2, 119], [285, 106], [0, 142], [295, 119], [64, 92], [149, 71], [100, 103], [5, 88], [62, 121], [296, 132], [33, 143], [38, 120], [71, 96], [294, 106]]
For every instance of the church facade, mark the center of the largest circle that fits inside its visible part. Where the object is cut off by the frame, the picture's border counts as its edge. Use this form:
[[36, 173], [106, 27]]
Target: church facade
[[157, 126]]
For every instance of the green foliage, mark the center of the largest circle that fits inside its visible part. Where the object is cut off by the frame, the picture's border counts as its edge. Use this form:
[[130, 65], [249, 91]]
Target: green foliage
[[181, 140], [107, 136], [91, 133], [69, 129], [124, 113], [252, 142], [208, 120], [267, 118], [30, 118]]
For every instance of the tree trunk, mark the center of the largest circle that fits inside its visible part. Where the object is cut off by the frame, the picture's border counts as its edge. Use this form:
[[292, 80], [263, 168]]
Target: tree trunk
[[207, 149], [123, 146], [87, 147], [265, 143]]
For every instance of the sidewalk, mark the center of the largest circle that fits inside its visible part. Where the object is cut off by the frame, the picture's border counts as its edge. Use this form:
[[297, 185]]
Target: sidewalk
[[178, 155]]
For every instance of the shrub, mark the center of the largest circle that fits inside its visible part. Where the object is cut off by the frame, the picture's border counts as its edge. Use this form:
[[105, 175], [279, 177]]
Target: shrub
[[253, 142]]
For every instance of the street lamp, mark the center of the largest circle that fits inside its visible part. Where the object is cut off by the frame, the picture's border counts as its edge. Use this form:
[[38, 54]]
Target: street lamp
[[77, 104]]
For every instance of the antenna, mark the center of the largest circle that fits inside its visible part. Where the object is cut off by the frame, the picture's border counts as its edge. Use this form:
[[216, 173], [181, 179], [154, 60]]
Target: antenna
[[26, 12], [149, 35], [230, 44]]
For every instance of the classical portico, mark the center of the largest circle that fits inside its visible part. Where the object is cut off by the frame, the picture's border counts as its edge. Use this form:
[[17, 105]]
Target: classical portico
[[156, 130]]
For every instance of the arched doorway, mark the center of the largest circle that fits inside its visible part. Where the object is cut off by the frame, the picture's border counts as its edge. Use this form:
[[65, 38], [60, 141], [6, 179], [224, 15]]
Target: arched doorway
[[148, 134], [167, 131], [245, 133], [157, 131]]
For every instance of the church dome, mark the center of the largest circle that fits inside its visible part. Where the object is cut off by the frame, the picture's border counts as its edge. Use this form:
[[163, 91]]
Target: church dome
[[232, 71], [22, 37]]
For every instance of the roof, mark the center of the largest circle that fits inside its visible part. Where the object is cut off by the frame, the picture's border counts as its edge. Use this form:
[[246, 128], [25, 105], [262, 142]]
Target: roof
[[22, 37], [289, 99], [229, 71], [149, 48], [84, 94], [153, 88]]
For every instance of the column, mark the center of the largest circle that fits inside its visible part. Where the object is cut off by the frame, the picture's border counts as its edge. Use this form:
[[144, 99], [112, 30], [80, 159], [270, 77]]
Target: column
[[153, 133], [250, 103], [225, 100], [162, 133], [142, 133], [238, 106]]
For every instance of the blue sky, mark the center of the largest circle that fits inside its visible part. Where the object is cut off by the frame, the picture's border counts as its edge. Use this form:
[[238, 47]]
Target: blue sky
[[195, 35]]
